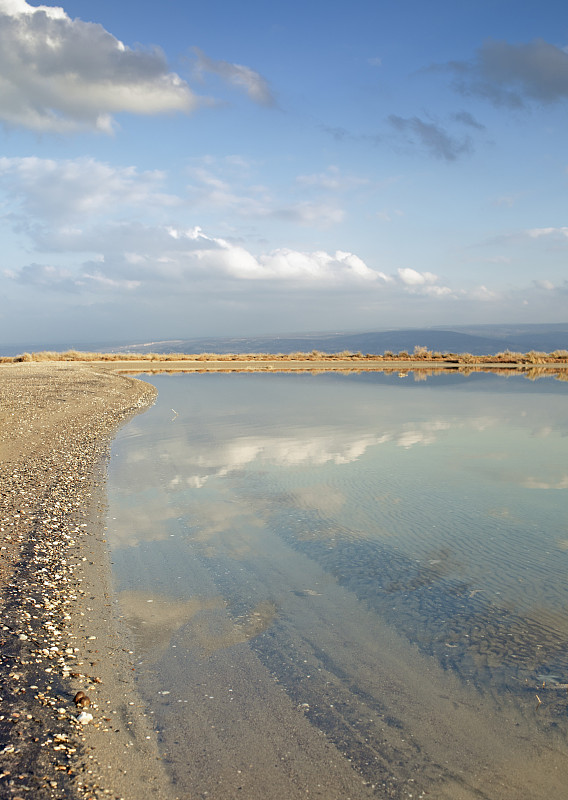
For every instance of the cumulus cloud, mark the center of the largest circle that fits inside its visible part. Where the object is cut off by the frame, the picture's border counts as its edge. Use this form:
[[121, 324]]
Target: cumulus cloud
[[218, 255], [510, 74], [62, 209], [188, 257], [425, 283], [61, 74], [437, 141], [411, 277], [243, 78]]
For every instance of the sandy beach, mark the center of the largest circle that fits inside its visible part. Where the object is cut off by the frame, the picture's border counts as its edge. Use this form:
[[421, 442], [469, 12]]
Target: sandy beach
[[58, 633]]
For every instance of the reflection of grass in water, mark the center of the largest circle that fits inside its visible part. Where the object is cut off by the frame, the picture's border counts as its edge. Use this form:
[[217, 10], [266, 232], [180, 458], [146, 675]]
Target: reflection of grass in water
[[494, 648]]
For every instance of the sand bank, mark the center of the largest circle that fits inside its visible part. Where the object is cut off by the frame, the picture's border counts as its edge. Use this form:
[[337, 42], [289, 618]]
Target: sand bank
[[57, 630]]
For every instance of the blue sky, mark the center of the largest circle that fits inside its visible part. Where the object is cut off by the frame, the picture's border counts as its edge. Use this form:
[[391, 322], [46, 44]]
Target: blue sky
[[181, 169]]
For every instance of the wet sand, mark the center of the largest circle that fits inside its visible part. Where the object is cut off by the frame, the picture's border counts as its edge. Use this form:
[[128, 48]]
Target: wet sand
[[60, 634]]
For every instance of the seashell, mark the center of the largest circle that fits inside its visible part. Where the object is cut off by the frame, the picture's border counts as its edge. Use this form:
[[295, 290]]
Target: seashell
[[81, 699]]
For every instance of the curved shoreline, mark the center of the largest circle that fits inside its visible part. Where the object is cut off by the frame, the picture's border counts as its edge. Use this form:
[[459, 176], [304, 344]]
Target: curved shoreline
[[58, 631]]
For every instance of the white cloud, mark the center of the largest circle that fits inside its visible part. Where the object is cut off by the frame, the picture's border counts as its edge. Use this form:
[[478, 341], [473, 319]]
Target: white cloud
[[217, 255], [242, 77], [220, 186], [100, 227], [411, 277], [539, 233], [424, 283], [66, 190], [61, 74], [142, 255]]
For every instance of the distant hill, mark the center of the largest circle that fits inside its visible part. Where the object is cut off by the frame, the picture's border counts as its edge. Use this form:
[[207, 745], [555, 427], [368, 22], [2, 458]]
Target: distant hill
[[475, 339], [484, 340]]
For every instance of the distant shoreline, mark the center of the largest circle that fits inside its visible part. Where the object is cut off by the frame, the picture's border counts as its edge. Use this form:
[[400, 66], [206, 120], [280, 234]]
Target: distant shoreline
[[420, 359]]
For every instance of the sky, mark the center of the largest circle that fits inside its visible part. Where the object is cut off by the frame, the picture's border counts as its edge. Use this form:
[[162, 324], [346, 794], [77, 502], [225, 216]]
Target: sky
[[185, 169]]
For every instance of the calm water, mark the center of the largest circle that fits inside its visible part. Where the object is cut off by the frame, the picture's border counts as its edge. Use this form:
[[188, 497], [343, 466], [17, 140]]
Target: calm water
[[349, 586]]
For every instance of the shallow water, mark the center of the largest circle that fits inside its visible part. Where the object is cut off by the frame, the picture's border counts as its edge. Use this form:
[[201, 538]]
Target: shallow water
[[349, 586]]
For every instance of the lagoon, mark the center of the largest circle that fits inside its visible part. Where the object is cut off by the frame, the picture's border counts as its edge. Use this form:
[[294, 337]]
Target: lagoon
[[348, 585]]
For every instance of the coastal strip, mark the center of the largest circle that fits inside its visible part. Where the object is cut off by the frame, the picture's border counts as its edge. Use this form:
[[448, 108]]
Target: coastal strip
[[59, 638]]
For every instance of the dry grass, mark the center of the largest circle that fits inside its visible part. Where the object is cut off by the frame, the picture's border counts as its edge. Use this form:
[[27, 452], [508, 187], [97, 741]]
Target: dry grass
[[420, 354]]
